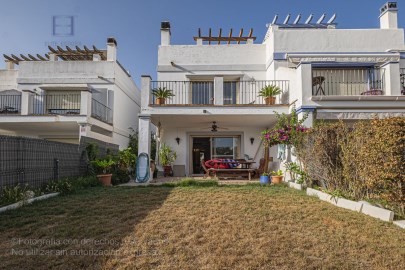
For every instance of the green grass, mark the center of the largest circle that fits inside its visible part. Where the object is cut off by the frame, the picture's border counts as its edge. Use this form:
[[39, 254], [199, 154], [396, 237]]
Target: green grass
[[191, 226]]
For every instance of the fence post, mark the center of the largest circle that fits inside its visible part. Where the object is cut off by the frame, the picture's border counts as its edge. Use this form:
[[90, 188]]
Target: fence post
[[56, 169]]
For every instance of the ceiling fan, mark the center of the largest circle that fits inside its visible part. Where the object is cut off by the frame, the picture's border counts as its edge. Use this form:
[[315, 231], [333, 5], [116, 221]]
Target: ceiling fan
[[214, 127]]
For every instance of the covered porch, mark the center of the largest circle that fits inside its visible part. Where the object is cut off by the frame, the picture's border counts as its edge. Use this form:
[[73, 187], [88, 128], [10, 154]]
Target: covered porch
[[210, 136]]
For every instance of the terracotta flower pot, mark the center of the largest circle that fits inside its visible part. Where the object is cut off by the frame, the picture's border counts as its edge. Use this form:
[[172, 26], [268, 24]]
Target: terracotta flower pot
[[167, 171], [105, 179], [160, 101], [270, 100], [276, 179]]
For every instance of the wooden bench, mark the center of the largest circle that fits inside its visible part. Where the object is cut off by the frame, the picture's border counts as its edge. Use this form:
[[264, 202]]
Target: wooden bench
[[226, 173]]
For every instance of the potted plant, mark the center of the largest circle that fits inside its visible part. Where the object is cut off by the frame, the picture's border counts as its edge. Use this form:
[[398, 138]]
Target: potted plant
[[264, 178], [161, 94], [277, 177], [268, 93], [167, 157], [104, 166]]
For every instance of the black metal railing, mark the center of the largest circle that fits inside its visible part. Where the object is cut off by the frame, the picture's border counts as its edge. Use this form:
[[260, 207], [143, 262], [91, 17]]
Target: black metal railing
[[58, 104], [348, 82], [402, 74], [10, 104], [101, 111], [248, 92], [202, 92], [185, 92]]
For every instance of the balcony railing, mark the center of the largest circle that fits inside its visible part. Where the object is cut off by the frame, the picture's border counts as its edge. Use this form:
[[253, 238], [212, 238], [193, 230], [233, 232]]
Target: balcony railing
[[58, 104], [10, 104], [248, 92], [348, 82], [186, 92], [101, 112], [203, 92], [402, 81]]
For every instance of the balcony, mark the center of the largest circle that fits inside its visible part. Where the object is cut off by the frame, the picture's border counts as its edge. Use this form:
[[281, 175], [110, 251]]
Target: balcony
[[101, 112], [402, 71], [57, 104], [234, 93], [348, 82], [10, 104]]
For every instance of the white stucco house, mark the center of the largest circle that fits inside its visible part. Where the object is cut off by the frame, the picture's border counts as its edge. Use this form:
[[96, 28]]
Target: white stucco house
[[330, 73], [67, 94]]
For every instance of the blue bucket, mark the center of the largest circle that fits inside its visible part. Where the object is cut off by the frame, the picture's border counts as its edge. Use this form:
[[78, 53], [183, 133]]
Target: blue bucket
[[264, 179]]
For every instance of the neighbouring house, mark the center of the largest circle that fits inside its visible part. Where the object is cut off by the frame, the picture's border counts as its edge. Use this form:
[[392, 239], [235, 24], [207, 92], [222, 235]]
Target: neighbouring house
[[327, 72], [67, 94]]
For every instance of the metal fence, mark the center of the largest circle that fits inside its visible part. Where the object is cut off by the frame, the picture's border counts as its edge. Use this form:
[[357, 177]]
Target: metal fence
[[60, 104], [35, 162], [10, 104], [234, 92], [101, 111], [348, 82], [402, 71]]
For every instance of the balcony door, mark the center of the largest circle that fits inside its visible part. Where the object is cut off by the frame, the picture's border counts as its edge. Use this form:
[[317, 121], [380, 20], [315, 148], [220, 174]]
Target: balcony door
[[202, 92], [230, 91]]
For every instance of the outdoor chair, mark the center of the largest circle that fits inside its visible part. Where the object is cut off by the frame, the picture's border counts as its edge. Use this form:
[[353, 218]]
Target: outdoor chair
[[317, 83]]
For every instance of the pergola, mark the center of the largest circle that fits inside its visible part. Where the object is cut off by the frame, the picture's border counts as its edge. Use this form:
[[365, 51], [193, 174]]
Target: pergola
[[227, 39], [67, 54]]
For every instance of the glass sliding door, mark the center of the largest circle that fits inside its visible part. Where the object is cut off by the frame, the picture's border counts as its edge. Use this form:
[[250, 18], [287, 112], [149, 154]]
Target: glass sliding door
[[230, 91], [202, 92], [225, 147]]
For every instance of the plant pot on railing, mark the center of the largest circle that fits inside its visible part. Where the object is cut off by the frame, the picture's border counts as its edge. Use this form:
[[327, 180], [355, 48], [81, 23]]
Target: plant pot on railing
[[161, 94], [270, 100], [268, 93]]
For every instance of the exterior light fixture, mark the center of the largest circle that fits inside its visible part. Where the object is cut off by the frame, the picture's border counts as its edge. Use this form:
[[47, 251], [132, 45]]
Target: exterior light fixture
[[252, 140], [178, 140]]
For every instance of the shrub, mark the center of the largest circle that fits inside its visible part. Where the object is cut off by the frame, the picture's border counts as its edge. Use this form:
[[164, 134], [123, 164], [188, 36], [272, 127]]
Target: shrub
[[15, 194], [61, 186], [120, 176], [362, 161]]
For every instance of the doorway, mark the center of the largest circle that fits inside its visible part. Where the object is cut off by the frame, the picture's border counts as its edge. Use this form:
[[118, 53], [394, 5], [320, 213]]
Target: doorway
[[214, 147]]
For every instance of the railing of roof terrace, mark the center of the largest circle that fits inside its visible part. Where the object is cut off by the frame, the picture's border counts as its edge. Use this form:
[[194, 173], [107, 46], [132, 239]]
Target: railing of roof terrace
[[202, 92], [55, 104], [101, 112], [402, 72], [348, 81], [10, 104]]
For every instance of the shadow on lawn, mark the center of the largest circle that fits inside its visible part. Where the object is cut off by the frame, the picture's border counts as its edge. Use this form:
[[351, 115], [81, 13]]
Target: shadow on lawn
[[79, 231]]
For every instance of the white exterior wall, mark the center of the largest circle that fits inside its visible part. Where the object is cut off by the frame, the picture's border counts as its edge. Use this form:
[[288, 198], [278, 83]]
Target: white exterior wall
[[103, 76]]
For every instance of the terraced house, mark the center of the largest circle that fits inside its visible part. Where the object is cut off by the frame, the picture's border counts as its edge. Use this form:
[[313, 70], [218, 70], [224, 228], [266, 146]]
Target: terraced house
[[69, 94], [216, 110]]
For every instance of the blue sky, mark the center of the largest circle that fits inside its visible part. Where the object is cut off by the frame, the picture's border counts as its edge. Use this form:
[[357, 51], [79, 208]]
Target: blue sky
[[26, 25]]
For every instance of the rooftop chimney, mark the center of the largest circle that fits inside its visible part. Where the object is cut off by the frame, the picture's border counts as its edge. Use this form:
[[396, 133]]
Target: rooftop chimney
[[111, 49], [165, 33], [389, 16]]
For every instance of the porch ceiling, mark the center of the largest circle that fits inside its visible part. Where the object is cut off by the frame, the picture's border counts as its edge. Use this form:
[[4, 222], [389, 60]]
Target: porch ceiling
[[199, 121]]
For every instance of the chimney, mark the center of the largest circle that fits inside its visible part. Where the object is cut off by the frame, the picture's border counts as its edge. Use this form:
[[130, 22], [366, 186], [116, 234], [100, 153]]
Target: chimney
[[389, 16], [111, 49], [165, 33]]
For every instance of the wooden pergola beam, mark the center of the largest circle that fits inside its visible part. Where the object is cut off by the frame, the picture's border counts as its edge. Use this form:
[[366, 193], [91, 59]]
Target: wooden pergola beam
[[227, 39]]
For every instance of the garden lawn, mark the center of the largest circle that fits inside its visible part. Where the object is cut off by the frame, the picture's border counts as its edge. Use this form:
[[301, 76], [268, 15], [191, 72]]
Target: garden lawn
[[226, 227]]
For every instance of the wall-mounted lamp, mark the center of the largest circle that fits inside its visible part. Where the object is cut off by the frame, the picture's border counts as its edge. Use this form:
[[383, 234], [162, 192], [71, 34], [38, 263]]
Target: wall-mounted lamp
[[178, 140], [252, 140]]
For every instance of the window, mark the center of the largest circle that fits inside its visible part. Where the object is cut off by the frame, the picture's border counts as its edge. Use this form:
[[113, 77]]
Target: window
[[225, 147]]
